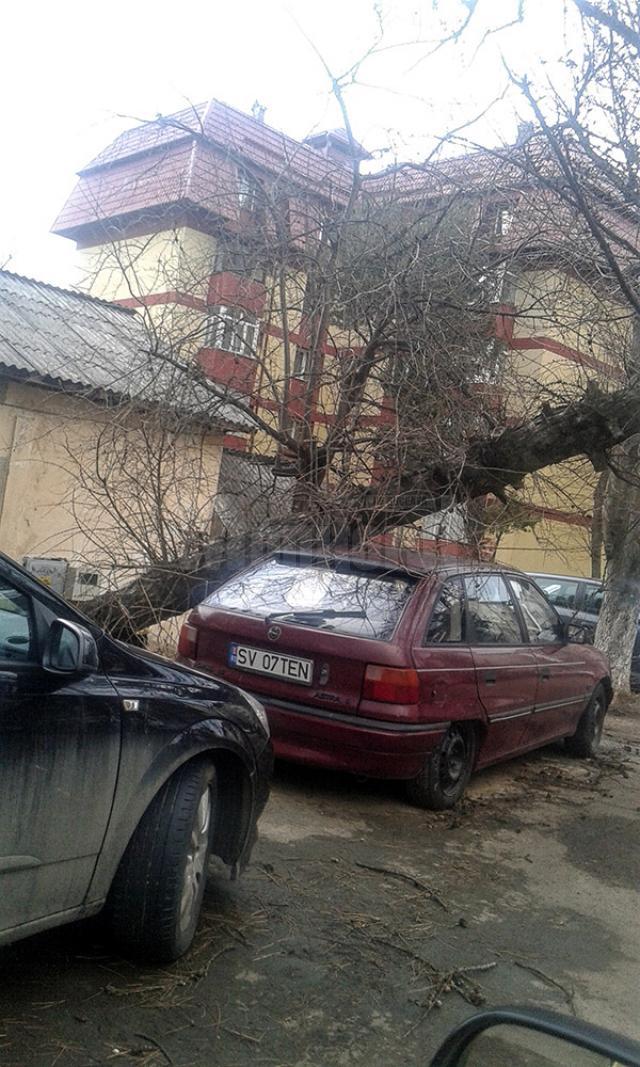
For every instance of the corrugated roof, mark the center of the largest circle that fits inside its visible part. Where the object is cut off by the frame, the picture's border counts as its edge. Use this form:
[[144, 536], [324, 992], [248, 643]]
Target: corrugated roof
[[76, 343]]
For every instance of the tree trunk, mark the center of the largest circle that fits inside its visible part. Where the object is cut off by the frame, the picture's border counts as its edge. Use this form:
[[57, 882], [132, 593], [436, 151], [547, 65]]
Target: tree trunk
[[618, 620], [355, 513], [597, 527], [617, 625]]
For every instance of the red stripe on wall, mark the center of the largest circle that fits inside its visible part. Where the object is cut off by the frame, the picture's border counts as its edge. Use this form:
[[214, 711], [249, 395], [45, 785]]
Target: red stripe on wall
[[548, 344], [171, 296]]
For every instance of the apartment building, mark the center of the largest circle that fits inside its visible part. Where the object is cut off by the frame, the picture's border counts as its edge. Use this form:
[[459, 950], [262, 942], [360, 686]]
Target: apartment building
[[216, 228]]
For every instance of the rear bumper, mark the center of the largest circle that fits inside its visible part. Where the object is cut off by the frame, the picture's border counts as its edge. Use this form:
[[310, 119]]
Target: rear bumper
[[362, 746]]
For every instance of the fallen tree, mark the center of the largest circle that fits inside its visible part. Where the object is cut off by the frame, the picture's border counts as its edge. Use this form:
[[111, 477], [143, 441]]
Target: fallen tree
[[590, 426]]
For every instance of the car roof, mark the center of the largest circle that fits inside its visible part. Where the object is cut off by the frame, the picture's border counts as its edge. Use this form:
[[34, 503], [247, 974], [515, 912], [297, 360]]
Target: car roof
[[403, 560], [566, 577]]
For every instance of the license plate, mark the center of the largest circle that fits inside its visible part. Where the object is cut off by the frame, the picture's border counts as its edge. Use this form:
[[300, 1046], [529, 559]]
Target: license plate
[[289, 668]]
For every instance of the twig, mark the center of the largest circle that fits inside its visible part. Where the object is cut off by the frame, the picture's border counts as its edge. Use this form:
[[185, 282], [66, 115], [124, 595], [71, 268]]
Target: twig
[[569, 996], [160, 1048], [406, 878], [238, 1033]]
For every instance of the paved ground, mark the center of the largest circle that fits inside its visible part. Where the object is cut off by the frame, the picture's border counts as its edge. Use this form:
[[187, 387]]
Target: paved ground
[[365, 929]]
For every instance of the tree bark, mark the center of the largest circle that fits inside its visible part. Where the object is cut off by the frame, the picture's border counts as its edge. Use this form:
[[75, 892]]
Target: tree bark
[[597, 525], [618, 619]]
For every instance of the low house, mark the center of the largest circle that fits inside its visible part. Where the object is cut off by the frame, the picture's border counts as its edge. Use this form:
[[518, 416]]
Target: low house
[[110, 449]]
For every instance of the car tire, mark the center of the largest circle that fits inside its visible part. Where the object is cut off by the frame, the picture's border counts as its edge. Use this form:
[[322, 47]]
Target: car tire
[[156, 896], [585, 742], [446, 771]]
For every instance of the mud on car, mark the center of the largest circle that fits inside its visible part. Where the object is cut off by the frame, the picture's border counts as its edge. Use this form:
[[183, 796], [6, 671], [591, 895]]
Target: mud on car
[[121, 773]]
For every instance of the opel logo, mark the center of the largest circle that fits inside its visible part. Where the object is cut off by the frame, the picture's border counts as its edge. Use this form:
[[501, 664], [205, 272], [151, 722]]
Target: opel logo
[[273, 633]]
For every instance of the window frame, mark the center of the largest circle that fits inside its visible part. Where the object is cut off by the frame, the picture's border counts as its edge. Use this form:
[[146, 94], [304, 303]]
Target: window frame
[[301, 375], [243, 326], [424, 643], [231, 259], [526, 579], [248, 190], [469, 628]]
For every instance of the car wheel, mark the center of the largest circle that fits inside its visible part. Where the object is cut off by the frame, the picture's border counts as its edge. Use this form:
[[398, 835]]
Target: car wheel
[[586, 740], [446, 771], [156, 896]]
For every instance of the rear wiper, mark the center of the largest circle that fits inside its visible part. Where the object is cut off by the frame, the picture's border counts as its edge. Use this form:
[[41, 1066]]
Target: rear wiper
[[328, 613]]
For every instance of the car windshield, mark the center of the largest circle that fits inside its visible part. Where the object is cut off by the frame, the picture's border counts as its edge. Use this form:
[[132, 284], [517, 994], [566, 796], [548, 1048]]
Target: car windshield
[[303, 592]]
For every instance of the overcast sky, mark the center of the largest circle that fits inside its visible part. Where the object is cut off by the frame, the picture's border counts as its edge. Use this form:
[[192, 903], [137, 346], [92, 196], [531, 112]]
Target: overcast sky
[[75, 74]]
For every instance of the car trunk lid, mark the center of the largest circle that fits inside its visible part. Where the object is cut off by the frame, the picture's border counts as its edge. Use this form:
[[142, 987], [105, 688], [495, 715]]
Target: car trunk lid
[[319, 626]]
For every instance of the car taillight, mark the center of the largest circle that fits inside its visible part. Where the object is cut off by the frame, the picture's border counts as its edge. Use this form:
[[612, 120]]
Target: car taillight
[[390, 685], [188, 641]]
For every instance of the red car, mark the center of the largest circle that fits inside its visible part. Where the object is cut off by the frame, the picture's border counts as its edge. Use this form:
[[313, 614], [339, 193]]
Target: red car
[[397, 666]]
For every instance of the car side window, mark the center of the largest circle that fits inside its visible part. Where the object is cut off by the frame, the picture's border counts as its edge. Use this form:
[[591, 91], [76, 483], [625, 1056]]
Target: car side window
[[16, 627], [540, 620], [491, 613], [561, 593], [593, 595], [446, 625]]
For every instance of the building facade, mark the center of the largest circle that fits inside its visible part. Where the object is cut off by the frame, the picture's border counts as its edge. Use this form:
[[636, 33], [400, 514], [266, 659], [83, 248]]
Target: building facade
[[215, 228]]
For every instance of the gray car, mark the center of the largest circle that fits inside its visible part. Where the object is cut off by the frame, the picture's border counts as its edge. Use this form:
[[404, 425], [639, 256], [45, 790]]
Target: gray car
[[580, 600]]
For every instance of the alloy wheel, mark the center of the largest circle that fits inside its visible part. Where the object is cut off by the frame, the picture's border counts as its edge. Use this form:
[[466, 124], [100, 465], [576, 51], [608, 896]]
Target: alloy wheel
[[194, 870]]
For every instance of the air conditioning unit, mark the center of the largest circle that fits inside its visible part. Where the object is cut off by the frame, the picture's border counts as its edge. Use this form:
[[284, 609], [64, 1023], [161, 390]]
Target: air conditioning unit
[[74, 581], [50, 571]]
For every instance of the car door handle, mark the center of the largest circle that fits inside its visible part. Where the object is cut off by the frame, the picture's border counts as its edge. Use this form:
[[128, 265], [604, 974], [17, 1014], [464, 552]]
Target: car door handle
[[545, 673], [489, 677]]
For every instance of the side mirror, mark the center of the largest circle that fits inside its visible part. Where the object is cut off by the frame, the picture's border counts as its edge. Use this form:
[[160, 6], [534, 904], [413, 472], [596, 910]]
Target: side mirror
[[528, 1037], [579, 634], [69, 649]]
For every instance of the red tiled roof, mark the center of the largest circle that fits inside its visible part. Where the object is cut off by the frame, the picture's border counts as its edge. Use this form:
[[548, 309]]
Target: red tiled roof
[[188, 158], [149, 136], [133, 186]]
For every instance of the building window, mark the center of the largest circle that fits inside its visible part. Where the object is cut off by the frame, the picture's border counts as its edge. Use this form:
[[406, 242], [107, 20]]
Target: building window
[[248, 191], [504, 220], [232, 330], [301, 363], [88, 578], [236, 259], [447, 525], [228, 259]]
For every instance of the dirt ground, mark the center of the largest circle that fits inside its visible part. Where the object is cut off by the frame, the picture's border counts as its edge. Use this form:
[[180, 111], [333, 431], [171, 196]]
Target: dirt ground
[[365, 929]]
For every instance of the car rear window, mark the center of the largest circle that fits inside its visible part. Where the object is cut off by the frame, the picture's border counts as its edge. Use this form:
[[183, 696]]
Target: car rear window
[[278, 587]]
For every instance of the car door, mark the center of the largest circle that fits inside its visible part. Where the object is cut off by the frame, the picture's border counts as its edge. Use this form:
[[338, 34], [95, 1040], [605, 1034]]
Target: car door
[[59, 752], [564, 678], [443, 660], [506, 668]]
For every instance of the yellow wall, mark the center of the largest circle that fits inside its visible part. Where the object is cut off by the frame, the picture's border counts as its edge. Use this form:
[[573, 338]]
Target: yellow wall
[[553, 547], [177, 260], [47, 444], [576, 312], [573, 312]]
